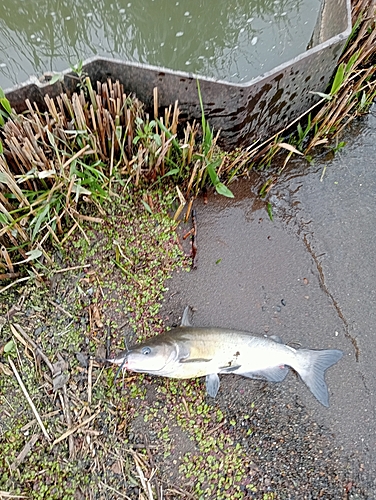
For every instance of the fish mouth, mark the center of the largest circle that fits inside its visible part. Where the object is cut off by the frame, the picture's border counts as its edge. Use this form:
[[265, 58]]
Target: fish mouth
[[122, 362]]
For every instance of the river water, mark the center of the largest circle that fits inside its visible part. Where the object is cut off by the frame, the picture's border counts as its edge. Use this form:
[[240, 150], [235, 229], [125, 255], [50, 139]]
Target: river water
[[233, 40]]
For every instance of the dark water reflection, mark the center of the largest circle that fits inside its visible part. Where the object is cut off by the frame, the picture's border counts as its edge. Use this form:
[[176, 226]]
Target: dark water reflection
[[233, 40]]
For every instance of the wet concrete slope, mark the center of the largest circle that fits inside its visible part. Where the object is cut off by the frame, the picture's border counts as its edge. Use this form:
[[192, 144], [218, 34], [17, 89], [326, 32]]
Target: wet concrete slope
[[308, 276], [341, 239]]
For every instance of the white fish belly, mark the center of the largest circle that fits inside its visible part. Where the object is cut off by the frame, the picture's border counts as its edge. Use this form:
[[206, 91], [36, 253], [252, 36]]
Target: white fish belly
[[228, 351], [259, 357]]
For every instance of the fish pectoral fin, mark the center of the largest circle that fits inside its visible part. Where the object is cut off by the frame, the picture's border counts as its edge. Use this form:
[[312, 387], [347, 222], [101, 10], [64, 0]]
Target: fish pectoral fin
[[194, 360], [272, 374], [212, 384]]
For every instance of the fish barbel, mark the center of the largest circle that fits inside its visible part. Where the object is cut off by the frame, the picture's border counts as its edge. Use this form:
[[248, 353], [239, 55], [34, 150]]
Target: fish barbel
[[189, 352]]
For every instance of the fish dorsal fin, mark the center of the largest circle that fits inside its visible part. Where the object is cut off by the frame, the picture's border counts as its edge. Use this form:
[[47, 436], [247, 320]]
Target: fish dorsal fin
[[212, 384], [185, 320]]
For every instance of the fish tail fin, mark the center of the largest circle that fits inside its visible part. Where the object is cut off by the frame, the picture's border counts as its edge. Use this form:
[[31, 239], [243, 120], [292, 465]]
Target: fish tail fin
[[312, 367]]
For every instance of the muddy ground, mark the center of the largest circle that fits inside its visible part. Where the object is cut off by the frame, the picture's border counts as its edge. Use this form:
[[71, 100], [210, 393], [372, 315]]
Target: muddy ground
[[307, 276]]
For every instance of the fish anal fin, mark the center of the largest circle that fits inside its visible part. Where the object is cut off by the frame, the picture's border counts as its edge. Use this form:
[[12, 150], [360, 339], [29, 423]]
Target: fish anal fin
[[212, 384], [229, 369], [272, 374]]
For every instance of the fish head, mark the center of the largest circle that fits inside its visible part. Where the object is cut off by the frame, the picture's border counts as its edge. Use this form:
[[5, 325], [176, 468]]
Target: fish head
[[154, 356]]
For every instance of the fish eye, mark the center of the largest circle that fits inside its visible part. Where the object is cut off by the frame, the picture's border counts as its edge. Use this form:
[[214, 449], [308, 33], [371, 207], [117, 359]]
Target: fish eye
[[146, 350]]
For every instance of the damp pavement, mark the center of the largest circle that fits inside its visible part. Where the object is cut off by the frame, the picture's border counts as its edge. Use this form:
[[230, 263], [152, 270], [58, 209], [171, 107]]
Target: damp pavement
[[308, 276]]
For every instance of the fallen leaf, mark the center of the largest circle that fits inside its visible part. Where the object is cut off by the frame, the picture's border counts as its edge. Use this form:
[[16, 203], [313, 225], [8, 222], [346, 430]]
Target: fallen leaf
[[82, 359], [289, 147], [60, 380], [59, 367], [5, 369], [116, 467], [97, 316]]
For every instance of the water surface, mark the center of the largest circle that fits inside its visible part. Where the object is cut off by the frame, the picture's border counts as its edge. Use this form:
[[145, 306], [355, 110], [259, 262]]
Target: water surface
[[231, 40]]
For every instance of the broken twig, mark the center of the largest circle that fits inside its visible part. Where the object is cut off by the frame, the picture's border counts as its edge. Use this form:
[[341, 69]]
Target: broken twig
[[29, 400], [194, 239], [75, 428], [25, 451]]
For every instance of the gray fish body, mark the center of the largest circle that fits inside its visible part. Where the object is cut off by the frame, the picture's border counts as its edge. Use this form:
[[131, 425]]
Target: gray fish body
[[189, 352]]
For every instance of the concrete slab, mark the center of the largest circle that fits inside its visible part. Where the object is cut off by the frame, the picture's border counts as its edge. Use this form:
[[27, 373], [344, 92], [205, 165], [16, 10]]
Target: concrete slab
[[308, 276]]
